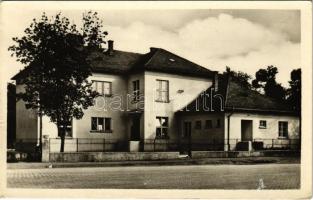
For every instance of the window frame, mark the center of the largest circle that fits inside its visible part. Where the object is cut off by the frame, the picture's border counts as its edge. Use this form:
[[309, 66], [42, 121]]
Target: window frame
[[262, 126], [159, 91], [218, 123], [69, 126], [136, 90], [206, 124], [198, 124], [104, 130], [162, 136], [284, 128], [96, 82]]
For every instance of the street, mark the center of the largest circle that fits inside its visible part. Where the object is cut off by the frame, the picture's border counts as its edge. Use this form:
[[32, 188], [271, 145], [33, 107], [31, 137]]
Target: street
[[262, 176]]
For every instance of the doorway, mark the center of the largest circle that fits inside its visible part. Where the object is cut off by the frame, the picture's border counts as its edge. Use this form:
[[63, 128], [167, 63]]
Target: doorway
[[186, 138], [135, 128], [246, 130]]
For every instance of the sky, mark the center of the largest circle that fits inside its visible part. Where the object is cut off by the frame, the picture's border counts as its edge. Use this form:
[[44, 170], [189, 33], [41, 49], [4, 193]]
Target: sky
[[245, 40]]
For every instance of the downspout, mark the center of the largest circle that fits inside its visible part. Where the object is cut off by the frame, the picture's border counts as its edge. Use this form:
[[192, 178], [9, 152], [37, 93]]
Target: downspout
[[228, 129], [229, 115]]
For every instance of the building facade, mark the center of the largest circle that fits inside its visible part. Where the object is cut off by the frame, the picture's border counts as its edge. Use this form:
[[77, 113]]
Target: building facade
[[149, 100]]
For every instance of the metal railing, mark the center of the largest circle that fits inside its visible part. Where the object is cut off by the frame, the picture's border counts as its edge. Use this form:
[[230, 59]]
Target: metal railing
[[156, 145]]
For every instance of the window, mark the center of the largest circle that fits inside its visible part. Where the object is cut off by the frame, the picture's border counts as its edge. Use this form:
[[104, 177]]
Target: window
[[283, 129], [102, 87], [68, 130], [107, 124], [136, 90], [218, 123], [162, 127], [208, 124], [262, 124], [101, 124], [162, 91], [198, 124]]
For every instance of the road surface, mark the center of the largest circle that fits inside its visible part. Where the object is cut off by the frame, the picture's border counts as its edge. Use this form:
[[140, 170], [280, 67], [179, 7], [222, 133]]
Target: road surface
[[265, 176]]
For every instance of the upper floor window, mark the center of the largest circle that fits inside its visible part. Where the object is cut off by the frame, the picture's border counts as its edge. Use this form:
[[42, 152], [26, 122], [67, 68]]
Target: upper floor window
[[162, 91], [102, 87], [262, 124], [283, 129], [161, 127], [136, 90], [101, 124]]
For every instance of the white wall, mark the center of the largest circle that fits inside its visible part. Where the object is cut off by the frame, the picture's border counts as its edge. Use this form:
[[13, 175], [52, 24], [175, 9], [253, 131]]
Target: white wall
[[271, 132], [192, 88], [82, 127]]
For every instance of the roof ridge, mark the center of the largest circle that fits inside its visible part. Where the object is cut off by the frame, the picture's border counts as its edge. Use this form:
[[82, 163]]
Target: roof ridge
[[154, 53], [227, 89], [128, 52], [186, 59]]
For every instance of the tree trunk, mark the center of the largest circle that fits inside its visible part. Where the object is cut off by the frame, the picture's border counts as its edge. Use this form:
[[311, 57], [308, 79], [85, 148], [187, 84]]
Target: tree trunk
[[61, 132], [40, 134]]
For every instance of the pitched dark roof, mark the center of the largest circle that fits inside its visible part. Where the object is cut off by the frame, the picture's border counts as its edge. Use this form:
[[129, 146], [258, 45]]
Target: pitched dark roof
[[118, 62], [160, 60], [236, 98]]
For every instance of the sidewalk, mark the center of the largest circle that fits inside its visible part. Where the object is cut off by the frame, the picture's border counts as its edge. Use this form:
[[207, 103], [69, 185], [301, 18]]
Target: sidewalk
[[184, 161]]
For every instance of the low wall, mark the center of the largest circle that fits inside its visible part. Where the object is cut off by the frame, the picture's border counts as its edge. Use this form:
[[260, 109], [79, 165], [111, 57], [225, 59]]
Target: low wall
[[110, 156], [238, 154]]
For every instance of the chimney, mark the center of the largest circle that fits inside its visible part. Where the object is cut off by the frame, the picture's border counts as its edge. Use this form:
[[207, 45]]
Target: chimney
[[153, 49], [215, 82], [110, 47]]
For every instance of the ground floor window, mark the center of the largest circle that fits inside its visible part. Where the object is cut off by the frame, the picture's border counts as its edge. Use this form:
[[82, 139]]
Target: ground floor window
[[208, 124], [218, 123], [68, 130], [162, 127], [283, 129], [198, 124], [101, 124], [262, 124]]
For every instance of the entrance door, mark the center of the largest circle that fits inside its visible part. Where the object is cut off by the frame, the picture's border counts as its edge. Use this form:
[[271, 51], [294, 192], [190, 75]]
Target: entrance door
[[246, 130], [186, 138], [135, 129]]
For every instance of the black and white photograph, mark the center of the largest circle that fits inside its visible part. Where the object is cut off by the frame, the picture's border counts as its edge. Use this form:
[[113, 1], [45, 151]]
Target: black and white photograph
[[157, 95]]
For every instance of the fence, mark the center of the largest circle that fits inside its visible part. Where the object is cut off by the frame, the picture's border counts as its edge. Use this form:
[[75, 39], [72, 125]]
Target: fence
[[28, 145], [88, 145], [153, 145]]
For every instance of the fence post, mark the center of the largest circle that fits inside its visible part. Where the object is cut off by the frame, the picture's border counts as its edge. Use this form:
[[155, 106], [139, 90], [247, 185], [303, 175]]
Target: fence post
[[103, 145], [272, 143], [76, 144], [45, 157], [153, 145]]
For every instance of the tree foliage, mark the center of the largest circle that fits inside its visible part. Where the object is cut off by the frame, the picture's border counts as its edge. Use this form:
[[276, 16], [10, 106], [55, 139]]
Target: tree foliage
[[294, 90], [265, 79], [241, 78], [55, 54]]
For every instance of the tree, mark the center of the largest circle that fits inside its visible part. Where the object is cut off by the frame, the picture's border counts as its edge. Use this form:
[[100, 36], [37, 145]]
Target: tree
[[294, 90], [265, 79], [55, 54], [294, 95], [240, 77]]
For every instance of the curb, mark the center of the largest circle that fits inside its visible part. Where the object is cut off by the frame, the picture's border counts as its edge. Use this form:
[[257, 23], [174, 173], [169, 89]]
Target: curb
[[206, 161]]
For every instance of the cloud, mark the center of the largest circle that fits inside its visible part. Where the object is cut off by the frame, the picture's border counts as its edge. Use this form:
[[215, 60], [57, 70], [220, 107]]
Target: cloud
[[216, 42], [241, 40]]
